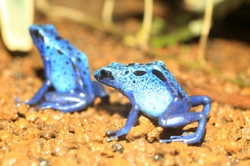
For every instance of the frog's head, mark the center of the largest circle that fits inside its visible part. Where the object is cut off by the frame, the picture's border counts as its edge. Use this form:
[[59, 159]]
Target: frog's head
[[42, 35], [109, 74], [130, 76]]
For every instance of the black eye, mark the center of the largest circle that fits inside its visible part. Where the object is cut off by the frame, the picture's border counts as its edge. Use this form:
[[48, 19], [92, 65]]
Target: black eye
[[106, 74], [37, 34], [159, 75], [139, 73], [58, 37]]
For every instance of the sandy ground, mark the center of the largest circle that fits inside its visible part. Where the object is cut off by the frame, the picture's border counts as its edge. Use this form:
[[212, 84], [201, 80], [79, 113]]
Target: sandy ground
[[49, 137]]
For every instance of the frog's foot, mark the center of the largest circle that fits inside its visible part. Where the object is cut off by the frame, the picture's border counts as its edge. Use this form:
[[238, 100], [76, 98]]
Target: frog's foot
[[188, 138], [36, 108], [116, 133], [66, 101], [18, 101], [68, 107]]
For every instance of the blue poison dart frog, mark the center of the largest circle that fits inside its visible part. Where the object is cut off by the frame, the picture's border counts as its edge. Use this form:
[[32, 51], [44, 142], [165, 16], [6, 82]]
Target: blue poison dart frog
[[66, 71], [152, 89]]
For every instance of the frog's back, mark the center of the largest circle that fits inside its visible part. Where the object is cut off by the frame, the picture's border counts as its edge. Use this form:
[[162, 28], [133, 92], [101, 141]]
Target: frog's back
[[154, 87], [47, 39], [172, 83], [160, 90]]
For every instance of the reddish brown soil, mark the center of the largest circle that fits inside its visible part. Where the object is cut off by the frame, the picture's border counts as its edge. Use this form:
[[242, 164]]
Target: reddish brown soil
[[49, 137]]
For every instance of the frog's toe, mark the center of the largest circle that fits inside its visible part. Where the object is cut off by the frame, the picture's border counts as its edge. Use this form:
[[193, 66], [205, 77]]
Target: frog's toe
[[111, 138], [188, 138], [176, 137], [185, 134], [117, 133], [44, 106], [166, 140], [18, 101], [173, 139], [110, 132], [35, 108], [113, 132]]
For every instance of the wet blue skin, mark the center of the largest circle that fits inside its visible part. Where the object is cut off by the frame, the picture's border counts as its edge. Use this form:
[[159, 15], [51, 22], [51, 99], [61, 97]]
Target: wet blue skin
[[152, 89], [66, 70]]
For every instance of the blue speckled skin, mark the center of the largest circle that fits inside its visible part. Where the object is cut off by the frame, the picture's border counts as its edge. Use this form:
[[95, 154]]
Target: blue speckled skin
[[66, 70], [152, 89]]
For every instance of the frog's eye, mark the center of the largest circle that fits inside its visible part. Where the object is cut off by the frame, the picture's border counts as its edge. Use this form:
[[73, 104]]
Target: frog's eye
[[58, 37], [159, 75], [106, 74], [37, 34], [139, 72]]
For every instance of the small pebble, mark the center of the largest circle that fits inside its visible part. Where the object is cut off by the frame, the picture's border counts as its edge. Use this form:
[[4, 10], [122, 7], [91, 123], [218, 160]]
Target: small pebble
[[22, 109], [31, 116], [43, 162], [158, 156], [22, 123], [48, 133], [117, 147]]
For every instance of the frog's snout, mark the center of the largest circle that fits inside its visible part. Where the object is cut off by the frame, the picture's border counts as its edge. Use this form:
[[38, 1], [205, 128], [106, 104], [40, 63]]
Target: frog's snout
[[102, 74], [96, 74]]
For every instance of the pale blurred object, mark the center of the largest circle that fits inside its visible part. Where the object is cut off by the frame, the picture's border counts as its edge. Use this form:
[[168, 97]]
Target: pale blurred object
[[107, 12], [16, 16], [198, 5], [205, 31], [140, 39], [142, 36]]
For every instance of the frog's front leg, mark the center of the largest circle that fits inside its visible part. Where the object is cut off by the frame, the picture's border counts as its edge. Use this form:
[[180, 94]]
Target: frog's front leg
[[44, 88], [66, 101], [133, 115], [39, 94], [177, 115]]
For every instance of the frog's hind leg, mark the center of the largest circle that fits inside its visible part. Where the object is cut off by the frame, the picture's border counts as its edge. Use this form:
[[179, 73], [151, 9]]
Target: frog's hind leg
[[69, 107], [65, 97], [65, 102], [178, 115], [80, 61], [202, 100]]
